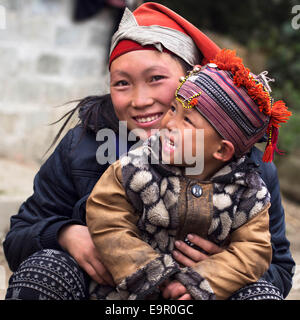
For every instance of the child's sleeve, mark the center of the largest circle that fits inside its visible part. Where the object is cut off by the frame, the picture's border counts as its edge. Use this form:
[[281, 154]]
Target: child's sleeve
[[244, 261], [136, 268]]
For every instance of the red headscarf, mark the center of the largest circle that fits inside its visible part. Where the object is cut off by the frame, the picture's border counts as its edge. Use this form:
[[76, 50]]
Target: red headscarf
[[151, 13]]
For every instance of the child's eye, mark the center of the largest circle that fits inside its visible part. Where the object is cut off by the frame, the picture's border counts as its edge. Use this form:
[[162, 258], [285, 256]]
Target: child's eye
[[173, 109], [187, 120]]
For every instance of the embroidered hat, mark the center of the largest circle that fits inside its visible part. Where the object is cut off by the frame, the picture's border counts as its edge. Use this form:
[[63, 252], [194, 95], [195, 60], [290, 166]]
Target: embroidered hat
[[236, 102], [154, 26]]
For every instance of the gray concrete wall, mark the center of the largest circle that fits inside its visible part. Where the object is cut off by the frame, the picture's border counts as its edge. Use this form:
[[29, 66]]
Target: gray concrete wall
[[45, 61]]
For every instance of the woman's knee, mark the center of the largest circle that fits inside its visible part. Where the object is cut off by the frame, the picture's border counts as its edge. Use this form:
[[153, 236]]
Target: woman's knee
[[48, 275], [260, 290]]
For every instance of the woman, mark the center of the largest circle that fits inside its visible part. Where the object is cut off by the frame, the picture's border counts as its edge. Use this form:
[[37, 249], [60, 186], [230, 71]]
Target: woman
[[144, 61]]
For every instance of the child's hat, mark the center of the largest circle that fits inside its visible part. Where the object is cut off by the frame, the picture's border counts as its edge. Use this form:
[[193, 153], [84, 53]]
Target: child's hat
[[236, 102], [153, 26]]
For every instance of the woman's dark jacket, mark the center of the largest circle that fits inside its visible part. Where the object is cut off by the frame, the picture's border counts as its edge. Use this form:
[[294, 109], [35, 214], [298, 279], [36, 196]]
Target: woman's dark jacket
[[65, 180]]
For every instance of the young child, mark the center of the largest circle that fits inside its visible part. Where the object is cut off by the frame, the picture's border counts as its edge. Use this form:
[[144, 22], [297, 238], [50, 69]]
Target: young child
[[139, 208]]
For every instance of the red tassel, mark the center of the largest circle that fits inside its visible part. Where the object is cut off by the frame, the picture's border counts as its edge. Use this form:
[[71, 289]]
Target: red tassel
[[279, 114], [274, 140], [269, 151], [272, 145]]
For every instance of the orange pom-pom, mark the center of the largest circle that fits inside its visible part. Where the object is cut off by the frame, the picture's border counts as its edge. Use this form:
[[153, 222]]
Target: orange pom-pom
[[279, 114], [193, 102], [227, 60]]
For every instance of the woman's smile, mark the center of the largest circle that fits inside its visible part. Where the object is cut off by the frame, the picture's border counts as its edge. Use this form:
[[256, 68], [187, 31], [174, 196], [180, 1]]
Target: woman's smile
[[148, 119]]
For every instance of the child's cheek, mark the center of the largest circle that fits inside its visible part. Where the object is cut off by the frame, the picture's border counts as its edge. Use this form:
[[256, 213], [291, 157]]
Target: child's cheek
[[164, 121]]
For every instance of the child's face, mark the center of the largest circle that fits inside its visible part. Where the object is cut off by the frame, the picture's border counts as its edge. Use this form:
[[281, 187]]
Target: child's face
[[180, 141], [142, 87]]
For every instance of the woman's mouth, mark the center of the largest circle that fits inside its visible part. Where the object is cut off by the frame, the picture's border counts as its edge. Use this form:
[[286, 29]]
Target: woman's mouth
[[146, 120]]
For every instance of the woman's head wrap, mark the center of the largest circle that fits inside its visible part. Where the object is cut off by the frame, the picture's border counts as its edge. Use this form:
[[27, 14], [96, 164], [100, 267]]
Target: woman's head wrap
[[153, 26]]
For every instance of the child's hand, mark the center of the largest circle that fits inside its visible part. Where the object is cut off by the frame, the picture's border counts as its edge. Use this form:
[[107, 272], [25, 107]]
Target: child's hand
[[174, 290]]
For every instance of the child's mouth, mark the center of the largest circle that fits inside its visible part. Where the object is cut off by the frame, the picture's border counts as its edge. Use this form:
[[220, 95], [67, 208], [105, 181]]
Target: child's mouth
[[168, 145]]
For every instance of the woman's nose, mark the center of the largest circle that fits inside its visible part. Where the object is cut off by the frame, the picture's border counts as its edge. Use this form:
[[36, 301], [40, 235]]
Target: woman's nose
[[141, 98]]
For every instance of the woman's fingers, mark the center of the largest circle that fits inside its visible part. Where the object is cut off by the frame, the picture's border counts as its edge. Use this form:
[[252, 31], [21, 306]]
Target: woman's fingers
[[182, 259], [204, 244], [188, 255], [102, 272], [98, 273], [93, 274]]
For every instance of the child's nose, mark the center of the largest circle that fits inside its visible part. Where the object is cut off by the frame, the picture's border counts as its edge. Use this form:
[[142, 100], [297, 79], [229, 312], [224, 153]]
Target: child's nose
[[172, 122]]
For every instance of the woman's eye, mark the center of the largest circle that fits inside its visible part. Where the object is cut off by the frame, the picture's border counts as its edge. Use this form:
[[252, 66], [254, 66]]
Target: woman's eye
[[157, 78], [173, 109], [121, 83]]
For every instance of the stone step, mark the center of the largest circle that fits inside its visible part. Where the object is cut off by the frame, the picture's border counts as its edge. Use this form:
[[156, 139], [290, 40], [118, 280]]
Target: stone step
[[8, 208], [16, 185]]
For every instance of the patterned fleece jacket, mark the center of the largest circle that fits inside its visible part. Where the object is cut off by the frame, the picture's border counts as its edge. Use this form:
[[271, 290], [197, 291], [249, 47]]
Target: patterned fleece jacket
[[140, 207]]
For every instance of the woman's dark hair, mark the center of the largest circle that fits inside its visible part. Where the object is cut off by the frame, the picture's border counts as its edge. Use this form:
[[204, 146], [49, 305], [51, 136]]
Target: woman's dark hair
[[185, 66], [94, 112]]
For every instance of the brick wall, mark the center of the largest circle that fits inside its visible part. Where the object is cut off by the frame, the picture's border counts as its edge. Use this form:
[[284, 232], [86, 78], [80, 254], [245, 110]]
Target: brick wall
[[45, 60]]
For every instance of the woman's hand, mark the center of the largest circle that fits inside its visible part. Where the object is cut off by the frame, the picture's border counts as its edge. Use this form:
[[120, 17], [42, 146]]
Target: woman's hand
[[189, 256], [174, 290], [76, 240]]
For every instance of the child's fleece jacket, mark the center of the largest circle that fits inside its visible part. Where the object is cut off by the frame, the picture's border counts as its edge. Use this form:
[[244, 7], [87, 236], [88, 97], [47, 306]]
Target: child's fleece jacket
[[137, 210]]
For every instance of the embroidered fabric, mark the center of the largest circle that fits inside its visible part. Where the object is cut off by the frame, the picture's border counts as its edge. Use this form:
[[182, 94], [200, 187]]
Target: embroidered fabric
[[48, 275]]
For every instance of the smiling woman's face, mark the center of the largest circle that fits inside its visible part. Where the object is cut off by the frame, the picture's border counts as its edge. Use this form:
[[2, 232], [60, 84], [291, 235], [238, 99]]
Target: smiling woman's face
[[142, 87]]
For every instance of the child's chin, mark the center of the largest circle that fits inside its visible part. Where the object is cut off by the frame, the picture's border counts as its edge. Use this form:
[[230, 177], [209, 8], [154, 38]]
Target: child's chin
[[142, 134], [172, 161]]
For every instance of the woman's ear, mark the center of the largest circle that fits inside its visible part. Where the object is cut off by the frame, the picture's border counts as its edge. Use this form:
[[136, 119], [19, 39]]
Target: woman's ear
[[225, 151]]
